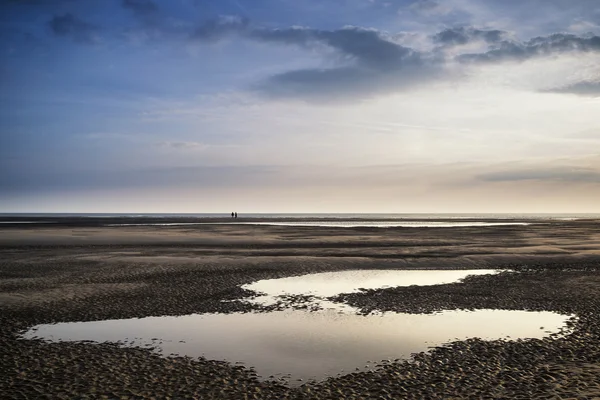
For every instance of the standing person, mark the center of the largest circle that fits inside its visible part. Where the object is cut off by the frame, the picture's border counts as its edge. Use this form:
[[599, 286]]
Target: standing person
[[236, 214], [232, 214]]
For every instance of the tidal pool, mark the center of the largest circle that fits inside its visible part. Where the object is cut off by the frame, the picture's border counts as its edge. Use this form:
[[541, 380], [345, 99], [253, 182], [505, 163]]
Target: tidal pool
[[326, 284], [305, 345], [298, 345]]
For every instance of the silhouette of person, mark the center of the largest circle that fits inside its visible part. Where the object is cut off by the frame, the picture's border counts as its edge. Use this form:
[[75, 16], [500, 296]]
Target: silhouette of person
[[236, 214], [232, 214]]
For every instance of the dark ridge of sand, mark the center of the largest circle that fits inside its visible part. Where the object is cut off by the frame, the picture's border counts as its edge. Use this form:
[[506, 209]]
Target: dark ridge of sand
[[64, 274]]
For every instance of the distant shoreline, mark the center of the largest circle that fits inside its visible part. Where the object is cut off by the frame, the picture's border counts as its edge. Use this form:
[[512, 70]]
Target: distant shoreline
[[23, 220]]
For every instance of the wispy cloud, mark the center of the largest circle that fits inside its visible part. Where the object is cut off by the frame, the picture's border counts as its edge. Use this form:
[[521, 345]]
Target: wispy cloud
[[430, 7], [181, 145], [559, 43], [548, 174], [463, 35], [584, 88]]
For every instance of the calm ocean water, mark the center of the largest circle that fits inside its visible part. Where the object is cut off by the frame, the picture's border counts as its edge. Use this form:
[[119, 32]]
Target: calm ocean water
[[342, 216], [293, 219]]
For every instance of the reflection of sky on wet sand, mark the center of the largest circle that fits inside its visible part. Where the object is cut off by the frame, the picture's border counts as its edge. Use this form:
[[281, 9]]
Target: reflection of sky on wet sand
[[306, 344]]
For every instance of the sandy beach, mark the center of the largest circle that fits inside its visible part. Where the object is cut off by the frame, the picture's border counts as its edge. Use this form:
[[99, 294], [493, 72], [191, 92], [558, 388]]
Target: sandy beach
[[80, 269]]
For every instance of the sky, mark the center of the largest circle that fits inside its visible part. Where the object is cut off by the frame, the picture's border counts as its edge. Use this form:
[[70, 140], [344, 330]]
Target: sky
[[391, 106]]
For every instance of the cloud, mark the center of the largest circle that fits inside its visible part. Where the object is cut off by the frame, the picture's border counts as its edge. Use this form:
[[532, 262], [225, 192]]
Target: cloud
[[429, 8], [374, 65], [368, 61], [334, 82], [559, 43], [464, 35], [378, 49], [181, 145], [344, 84], [557, 174], [367, 46], [584, 88], [71, 26]]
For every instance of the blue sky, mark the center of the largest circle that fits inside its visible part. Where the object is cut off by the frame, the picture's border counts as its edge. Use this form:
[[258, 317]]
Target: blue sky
[[300, 106]]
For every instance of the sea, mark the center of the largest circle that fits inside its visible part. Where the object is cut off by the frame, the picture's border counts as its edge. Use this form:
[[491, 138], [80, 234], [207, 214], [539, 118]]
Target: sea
[[341, 220], [380, 216]]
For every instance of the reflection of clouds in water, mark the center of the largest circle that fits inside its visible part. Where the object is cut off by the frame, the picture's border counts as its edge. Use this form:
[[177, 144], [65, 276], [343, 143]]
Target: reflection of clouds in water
[[305, 344], [319, 344]]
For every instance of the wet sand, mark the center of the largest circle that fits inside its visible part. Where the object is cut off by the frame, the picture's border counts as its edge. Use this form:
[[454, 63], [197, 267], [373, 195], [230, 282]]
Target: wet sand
[[79, 270]]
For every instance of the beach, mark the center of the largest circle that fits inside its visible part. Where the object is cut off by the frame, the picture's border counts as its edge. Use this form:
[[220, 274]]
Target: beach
[[89, 269]]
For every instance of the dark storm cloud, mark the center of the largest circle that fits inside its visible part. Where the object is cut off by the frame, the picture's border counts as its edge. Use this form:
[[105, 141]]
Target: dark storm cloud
[[558, 43], [464, 35], [69, 25], [560, 174], [585, 88]]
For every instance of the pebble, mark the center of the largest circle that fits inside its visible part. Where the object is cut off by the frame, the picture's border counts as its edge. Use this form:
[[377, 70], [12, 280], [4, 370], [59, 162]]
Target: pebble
[[564, 366]]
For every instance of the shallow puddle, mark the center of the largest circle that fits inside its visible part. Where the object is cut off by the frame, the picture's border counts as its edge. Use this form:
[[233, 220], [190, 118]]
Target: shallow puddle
[[299, 345], [326, 284]]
